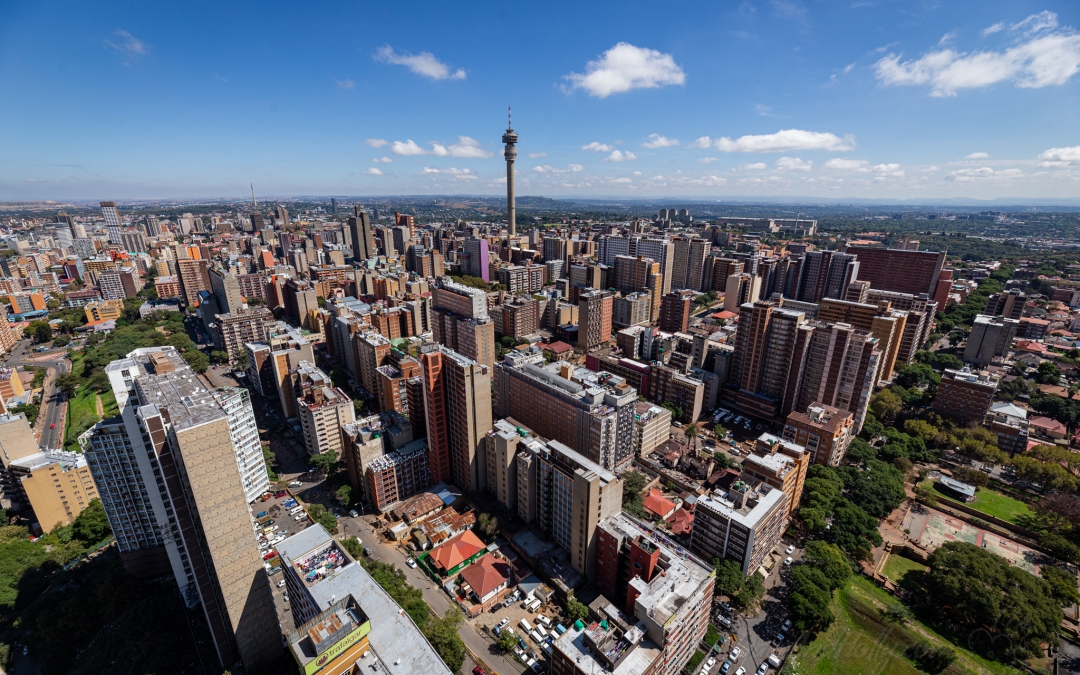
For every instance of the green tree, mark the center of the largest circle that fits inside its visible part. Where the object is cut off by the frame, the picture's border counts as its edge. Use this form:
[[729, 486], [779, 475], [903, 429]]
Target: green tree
[[198, 361], [353, 546], [506, 641], [323, 462], [270, 459], [324, 517], [242, 360], [930, 658], [809, 598], [719, 431], [344, 495], [943, 360], [38, 331], [1062, 584], [91, 525], [1049, 372], [886, 405], [576, 610], [1007, 611], [488, 526], [830, 560], [691, 430], [729, 577], [633, 483], [219, 357], [443, 636]]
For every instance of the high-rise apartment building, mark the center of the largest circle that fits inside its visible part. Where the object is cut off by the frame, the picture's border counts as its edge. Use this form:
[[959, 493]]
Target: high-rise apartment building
[[779, 463], [965, 396], [461, 322], [566, 495], [361, 237], [890, 269], [594, 323], [194, 277], [689, 261], [840, 370], [675, 311], [226, 287], [826, 274], [475, 256], [663, 597], [879, 318], [593, 412], [301, 299], [990, 336], [824, 431], [742, 524], [517, 317], [234, 330], [113, 223], [322, 408], [176, 472]]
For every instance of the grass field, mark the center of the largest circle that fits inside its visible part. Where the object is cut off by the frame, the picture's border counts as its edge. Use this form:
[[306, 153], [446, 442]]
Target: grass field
[[82, 409], [863, 642], [897, 566], [992, 503]]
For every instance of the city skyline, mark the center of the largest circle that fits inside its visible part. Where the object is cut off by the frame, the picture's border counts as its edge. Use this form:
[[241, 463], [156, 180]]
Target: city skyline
[[771, 99]]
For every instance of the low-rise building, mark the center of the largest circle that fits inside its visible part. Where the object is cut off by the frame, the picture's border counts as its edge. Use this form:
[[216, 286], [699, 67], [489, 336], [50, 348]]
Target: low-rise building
[[56, 484], [652, 427], [103, 310]]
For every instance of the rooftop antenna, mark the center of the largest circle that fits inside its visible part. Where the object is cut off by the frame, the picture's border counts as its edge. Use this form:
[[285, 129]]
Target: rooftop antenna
[[509, 125], [254, 204]]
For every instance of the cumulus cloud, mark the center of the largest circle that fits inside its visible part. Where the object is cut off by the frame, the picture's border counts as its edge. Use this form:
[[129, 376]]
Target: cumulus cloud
[[376, 142], [754, 166], [786, 140], [703, 142], [383, 160], [575, 168], [620, 156], [839, 164], [537, 155], [1044, 56], [658, 141], [625, 67], [598, 147], [621, 181], [977, 155], [345, 84], [465, 147], [706, 160], [373, 172], [407, 148], [456, 174], [1060, 156], [793, 164], [423, 63], [981, 174]]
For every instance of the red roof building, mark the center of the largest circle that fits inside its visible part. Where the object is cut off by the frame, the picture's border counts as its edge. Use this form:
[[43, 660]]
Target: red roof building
[[487, 577], [681, 522], [656, 504], [456, 551]]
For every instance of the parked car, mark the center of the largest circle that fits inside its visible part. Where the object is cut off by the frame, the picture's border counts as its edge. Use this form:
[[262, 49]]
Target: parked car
[[477, 670], [711, 662], [367, 551], [412, 563], [778, 640], [295, 483], [740, 671], [736, 652], [502, 623], [354, 514], [726, 667], [279, 494], [787, 626], [260, 514], [788, 560], [762, 669], [281, 584]]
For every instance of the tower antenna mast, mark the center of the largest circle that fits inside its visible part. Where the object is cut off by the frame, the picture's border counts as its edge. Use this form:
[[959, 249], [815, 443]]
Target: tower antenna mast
[[254, 204]]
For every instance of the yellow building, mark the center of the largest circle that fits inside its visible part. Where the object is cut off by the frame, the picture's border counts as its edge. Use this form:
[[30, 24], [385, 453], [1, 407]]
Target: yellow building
[[10, 385], [57, 485], [103, 310], [880, 319], [334, 641], [779, 463]]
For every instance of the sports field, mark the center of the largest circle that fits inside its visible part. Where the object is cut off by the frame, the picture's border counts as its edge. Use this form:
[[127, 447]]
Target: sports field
[[934, 528]]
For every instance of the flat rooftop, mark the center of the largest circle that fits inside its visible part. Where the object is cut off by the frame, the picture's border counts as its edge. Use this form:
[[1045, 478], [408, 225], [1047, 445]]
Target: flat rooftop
[[635, 659], [317, 564], [167, 382]]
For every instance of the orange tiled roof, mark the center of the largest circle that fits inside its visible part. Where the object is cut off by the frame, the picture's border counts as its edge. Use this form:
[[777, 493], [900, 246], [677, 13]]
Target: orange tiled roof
[[457, 550]]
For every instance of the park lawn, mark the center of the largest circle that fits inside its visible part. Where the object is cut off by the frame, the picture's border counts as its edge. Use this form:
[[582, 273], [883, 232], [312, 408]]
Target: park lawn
[[862, 641], [990, 502], [897, 566], [82, 414]]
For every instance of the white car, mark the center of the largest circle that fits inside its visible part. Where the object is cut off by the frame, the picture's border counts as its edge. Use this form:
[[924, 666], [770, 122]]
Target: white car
[[788, 560], [791, 549], [412, 563], [711, 662], [762, 669], [736, 652], [281, 584], [740, 671], [295, 483]]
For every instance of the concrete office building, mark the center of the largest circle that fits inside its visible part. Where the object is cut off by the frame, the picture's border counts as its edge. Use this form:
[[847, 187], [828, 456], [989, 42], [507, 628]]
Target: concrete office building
[[890, 269], [742, 524], [824, 431], [990, 336], [322, 408], [593, 412], [360, 235], [594, 324], [566, 495], [113, 223], [185, 492]]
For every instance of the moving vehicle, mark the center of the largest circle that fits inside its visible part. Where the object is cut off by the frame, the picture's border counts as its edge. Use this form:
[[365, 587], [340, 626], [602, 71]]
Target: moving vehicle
[[295, 483], [367, 552], [53, 425], [354, 514]]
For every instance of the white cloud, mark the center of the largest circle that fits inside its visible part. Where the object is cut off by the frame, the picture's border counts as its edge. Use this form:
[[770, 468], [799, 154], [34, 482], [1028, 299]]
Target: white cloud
[[548, 169], [620, 156], [373, 172], [346, 84], [407, 148], [931, 169], [382, 160], [706, 160], [947, 37], [625, 67], [848, 68], [793, 164], [1048, 59], [456, 174], [423, 63], [1060, 156], [754, 166], [596, 146], [977, 155], [996, 28], [703, 142], [637, 173], [887, 170], [537, 155], [786, 140], [376, 142], [982, 173], [465, 147], [658, 141], [128, 44], [846, 164], [1044, 20], [621, 181]]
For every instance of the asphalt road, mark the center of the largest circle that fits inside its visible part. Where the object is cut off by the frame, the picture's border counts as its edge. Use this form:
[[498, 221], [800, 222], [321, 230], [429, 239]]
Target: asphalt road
[[51, 417]]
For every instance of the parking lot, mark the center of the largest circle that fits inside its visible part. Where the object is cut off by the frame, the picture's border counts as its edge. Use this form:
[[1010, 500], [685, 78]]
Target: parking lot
[[512, 615], [287, 525]]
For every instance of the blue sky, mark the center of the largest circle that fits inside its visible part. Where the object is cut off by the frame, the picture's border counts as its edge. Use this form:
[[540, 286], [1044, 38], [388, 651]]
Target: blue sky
[[892, 99]]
